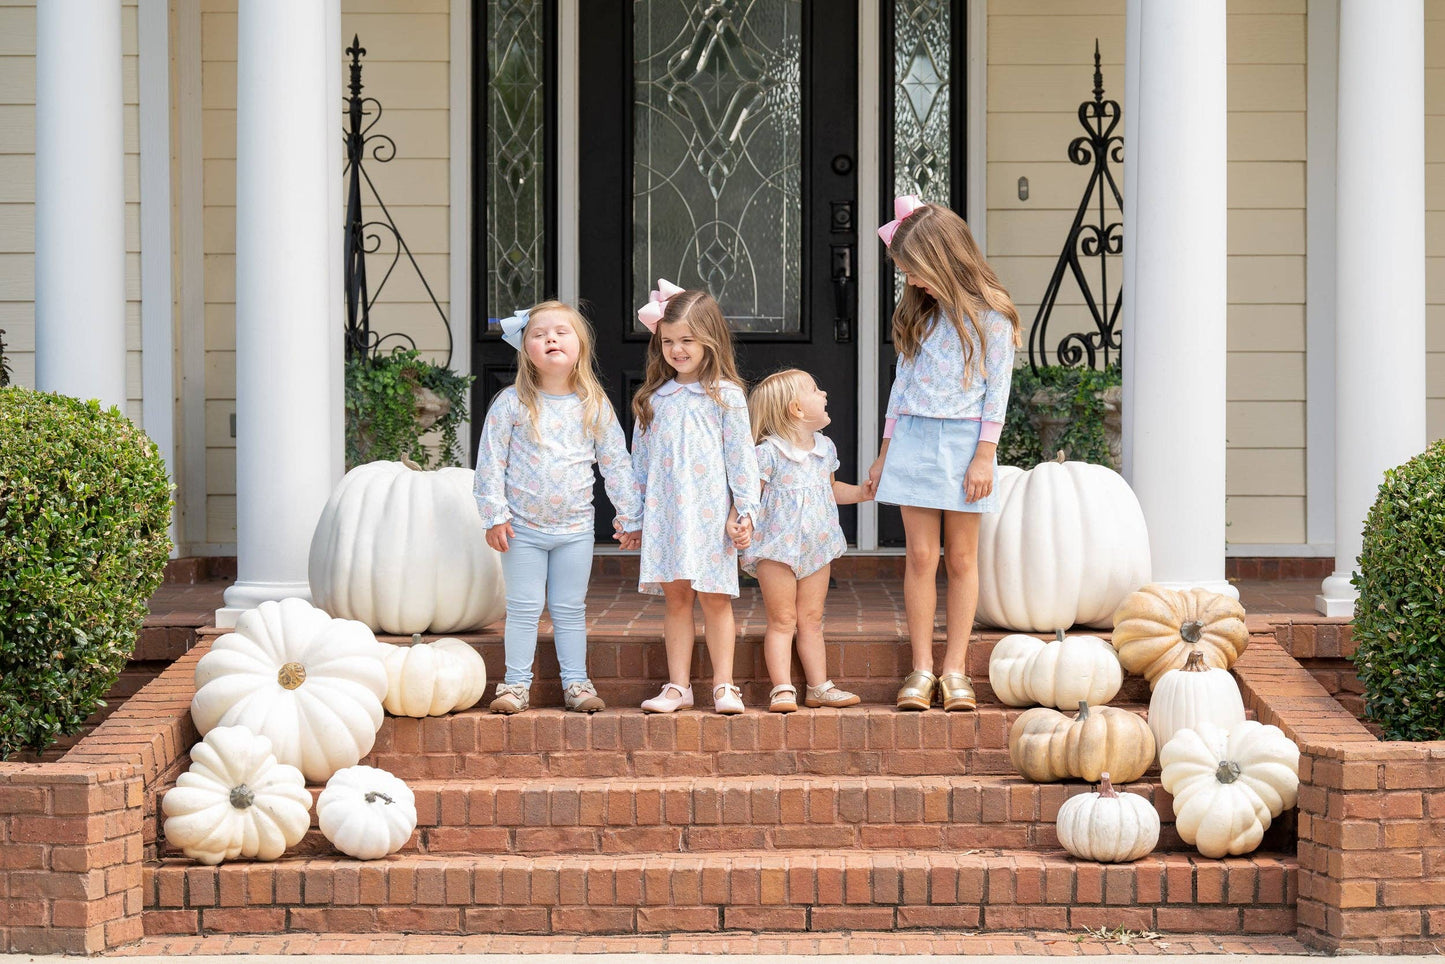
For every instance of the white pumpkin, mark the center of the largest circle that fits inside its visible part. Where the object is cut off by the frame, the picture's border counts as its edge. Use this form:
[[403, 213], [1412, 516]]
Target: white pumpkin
[[1108, 826], [404, 551], [1026, 671], [366, 813], [433, 679], [1194, 694], [236, 800], [1067, 544], [311, 684], [1229, 785]]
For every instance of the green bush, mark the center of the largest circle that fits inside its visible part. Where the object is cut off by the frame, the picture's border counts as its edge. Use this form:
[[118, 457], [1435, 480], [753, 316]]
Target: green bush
[[84, 509], [1077, 391], [1400, 615], [4, 362], [382, 418]]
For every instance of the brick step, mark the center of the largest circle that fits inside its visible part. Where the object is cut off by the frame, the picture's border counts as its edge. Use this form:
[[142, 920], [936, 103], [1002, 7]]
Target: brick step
[[804, 890], [706, 814], [863, 740]]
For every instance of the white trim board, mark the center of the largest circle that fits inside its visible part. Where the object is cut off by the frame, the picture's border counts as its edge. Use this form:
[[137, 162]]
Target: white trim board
[[868, 327], [191, 260], [1285, 550], [459, 176], [569, 251], [1323, 56], [976, 173]]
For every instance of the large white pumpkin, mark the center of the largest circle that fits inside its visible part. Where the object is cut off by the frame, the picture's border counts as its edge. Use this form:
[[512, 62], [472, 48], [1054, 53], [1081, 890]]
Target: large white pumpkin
[[433, 679], [404, 551], [1194, 694], [366, 813], [236, 800], [1108, 826], [1026, 671], [1229, 786], [311, 684], [1067, 544]]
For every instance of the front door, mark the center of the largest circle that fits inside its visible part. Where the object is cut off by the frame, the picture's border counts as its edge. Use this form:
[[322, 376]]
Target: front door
[[717, 144]]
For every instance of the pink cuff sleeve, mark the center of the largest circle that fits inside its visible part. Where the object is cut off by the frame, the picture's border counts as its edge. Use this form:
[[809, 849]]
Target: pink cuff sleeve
[[888, 427], [990, 431]]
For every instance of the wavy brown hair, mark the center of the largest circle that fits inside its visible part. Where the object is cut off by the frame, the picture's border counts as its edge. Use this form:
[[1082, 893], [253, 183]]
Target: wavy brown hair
[[583, 379], [705, 320], [934, 245]]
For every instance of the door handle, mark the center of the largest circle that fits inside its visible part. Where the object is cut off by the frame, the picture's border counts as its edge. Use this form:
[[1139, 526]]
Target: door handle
[[842, 264]]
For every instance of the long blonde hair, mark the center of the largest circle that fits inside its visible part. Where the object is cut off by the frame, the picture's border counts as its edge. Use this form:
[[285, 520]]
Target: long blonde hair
[[583, 380], [770, 401], [705, 319], [935, 246]]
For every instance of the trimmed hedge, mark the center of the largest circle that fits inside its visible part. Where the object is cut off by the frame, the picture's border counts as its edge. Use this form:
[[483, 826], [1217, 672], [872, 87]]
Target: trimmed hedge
[[1400, 615], [84, 509]]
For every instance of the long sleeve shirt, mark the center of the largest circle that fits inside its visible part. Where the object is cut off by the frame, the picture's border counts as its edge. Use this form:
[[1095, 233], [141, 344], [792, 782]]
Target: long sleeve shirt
[[935, 383]]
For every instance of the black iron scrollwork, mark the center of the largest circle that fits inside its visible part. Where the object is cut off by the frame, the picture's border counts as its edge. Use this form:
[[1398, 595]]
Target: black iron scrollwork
[[1092, 242], [363, 237]]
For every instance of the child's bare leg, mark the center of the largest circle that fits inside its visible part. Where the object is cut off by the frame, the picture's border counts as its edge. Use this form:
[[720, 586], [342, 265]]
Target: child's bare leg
[[717, 625], [960, 554], [920, 587], [780, 590], [812, 593], [679, 631]]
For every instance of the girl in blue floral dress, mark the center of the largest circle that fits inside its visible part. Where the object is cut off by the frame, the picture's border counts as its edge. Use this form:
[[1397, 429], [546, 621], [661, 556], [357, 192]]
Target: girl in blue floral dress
[[692, 456]]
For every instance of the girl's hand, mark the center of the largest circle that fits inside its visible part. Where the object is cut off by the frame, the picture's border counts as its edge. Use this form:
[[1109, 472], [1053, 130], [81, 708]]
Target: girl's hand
[[978, 481], [741, 533], [869, 489], [630, 540], [875, 472], [498, 536]]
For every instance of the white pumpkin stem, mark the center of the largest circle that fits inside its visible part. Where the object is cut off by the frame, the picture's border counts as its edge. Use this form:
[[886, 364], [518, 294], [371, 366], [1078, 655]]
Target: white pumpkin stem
[[1106, 789], [1059, 635], [374, 795], [1083, 711], [410, 464], [242, 797], [1191, 631], [1195, 662], [415, 638], [1228, 771], [291, 675]]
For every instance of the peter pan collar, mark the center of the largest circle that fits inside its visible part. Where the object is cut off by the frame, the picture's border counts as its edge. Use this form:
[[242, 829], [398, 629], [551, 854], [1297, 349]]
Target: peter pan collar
[[672, 385], [796, 454]]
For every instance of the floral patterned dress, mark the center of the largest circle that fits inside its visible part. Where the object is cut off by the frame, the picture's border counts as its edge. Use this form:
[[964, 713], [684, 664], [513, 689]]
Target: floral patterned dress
[[693, 463], [798, 523]]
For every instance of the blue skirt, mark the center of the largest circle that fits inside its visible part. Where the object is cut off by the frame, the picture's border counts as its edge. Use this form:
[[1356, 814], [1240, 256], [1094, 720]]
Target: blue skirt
[[927, 462]]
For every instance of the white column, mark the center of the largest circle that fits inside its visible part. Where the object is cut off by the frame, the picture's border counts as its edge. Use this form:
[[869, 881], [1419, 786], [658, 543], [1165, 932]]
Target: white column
[[1175, 389], [1380, 266], [286, 122], [79, 201]]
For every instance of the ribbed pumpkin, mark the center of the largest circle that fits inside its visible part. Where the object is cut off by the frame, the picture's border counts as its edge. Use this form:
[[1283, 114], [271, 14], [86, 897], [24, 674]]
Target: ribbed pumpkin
[[1046, 745], [1108, 826], [366, 813], [404, 551], [1229, 786], [1067, 544], [1191, 695], [1026, 671], [1155, 629], [432, 679]]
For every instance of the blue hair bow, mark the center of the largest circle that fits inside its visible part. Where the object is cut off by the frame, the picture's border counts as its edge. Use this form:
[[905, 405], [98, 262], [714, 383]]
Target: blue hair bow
[[513, 326]]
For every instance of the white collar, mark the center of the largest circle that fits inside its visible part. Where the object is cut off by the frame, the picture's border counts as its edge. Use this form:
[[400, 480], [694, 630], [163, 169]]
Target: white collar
[[793, 452], [672, 385]]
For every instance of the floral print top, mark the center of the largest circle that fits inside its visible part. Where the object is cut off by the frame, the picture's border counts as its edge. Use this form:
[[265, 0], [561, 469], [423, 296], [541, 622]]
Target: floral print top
[[935, 383], [798, 523], [543, 479]]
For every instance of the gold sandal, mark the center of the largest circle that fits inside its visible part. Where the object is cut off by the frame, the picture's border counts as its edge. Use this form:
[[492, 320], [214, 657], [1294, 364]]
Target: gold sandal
[[917, 691], [957, 692]]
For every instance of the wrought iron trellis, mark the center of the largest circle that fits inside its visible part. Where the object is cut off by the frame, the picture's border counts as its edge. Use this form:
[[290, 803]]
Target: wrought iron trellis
[[1094, 241], [363, 237]]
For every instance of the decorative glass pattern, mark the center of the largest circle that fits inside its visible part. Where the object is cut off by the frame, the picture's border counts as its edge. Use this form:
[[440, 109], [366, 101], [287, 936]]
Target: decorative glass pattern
[[516, 148], [717, 155], [922, 64]]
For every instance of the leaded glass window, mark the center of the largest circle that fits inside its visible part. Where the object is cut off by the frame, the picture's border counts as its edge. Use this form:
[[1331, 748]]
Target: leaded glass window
[[717, 172], [515, 156], [922, 71]]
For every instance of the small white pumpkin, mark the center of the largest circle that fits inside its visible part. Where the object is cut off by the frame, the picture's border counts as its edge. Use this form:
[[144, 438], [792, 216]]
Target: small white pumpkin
[[311, 684], [366, 813], [1108, 826], [404, 551], [1193, 694], [433, 679], [1229, 786], [1067, 544], [1026, 671], [236, 800]]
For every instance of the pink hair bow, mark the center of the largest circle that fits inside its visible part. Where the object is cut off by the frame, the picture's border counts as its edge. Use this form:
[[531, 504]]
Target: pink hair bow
[[651, 313], [902, 208]]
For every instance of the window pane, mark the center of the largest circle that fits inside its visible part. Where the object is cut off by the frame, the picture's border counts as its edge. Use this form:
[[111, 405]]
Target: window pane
[[922, 66], [516, 148]]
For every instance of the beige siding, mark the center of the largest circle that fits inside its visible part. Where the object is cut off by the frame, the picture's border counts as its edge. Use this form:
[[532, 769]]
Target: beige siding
[[406, 68], [1435, 218], [1040, 57], [17, 193]]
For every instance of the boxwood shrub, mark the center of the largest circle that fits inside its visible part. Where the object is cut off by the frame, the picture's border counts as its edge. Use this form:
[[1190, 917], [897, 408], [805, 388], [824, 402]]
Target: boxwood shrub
[[84, 509], [1077, 389], [1400, 615]]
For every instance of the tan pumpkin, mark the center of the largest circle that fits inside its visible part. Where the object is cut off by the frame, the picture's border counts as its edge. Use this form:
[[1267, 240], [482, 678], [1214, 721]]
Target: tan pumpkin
[[1155, 630], [1046, 745]]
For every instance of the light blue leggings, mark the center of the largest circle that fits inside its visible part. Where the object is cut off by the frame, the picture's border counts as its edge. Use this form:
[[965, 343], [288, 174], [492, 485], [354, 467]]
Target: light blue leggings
[[551, 569]]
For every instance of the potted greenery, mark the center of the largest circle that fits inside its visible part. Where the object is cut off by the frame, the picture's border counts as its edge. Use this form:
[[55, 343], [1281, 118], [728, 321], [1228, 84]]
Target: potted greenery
[[398, 400]]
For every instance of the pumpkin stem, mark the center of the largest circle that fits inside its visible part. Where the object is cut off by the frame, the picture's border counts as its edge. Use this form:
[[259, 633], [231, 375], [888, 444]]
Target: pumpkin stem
[[415, 638], [242, 797], [1059, 635], [1083, 710], [374, 795], [291, 675], [1106, 789], [1060, 457], [1190, 631], [1195, 662], [1228, 771], [410, 464]]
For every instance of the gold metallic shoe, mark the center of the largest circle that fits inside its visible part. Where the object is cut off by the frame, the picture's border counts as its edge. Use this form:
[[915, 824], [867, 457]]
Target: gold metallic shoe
[[917, 691], [957, 692]]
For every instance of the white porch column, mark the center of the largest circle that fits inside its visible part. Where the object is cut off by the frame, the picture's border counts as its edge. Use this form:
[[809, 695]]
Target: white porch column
[[79, 201], [1380, 266], [286, 122], [1174, 393]]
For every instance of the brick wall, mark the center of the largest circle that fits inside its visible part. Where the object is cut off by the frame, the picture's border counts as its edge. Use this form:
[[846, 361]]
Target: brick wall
[[1326, 649]]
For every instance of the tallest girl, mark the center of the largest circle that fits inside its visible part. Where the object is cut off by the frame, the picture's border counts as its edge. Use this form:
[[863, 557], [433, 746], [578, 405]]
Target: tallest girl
[[955, 329]]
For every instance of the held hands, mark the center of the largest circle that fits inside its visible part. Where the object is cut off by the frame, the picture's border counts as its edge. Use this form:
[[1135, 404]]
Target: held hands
[[978, 480], [741, 533], [499, 536], [627, 540]]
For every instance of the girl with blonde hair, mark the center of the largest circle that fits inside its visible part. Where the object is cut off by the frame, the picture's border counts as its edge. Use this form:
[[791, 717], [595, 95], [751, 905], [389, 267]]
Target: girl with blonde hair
[[534, 491], [693, 458], [798, 535], [955, 329]]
